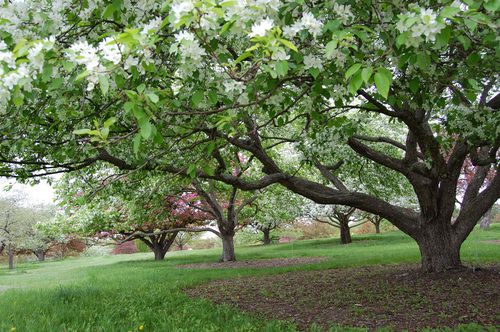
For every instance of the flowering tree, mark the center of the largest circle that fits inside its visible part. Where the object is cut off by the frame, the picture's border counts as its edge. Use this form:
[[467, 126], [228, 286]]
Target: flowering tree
[[227, 209], [275, 207], [138, 207], [138, 83]]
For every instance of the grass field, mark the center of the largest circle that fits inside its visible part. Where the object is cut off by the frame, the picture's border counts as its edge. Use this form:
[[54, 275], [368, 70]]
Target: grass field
[[133, 292]]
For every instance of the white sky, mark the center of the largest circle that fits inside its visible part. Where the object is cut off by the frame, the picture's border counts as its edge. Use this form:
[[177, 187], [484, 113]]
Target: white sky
[[41, 193]]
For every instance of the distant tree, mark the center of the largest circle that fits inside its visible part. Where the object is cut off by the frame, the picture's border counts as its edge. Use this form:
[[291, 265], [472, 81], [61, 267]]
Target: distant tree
[[183, 238], [275, 207], [227, 209], [342, 217]]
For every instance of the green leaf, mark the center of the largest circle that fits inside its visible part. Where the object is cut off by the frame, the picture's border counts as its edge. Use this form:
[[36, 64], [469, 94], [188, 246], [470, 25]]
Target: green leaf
[[212, 97], [355, 83], [145, 128], [352, 70], [153, 97], [314, 72], [82, 131], [104, 84], [330, 47], [415, 85], [492, 5], [282, 68], [366, 74], [109, 122], [423, 60], [108, 12], [288, 44], [401, 40], [242, 57], [82, 75], [197, 97], [226, 27], [141, 88], [383, 80], [191, 171], [449, 12], [443, 38], [105, 132]]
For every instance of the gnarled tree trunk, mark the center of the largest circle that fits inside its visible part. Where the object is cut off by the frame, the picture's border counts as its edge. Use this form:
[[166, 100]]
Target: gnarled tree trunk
[[40, 255], [159, 244], [345, 232], [439, 250], [267, 236], [228, 254]]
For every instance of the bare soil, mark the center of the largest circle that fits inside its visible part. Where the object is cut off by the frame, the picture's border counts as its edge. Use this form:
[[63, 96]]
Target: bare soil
[[399, 297], [259, 263]]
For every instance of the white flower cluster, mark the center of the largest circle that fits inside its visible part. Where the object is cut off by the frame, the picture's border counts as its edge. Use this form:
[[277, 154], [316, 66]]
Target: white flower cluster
[[307, 22], [262, 28], [343, 12], [233, 87], [312, 61], [422, 25], [180, 8], [82, 53], [189, 48], [20, 75], [111, 50]]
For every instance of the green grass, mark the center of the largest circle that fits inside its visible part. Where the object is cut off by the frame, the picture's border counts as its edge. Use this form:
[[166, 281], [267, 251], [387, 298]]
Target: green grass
[[122, 293]]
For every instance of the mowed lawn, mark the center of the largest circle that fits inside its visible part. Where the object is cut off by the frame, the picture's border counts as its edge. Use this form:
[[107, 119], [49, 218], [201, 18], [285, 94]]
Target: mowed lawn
[[133, 292]]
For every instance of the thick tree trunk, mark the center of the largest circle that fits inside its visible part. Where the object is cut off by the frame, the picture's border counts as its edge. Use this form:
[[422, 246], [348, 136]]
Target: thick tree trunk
[[228, 248], [377, 227], [159, 254], [439, 251], [345, 233], [40, 255], [267, 236], [11, 259]]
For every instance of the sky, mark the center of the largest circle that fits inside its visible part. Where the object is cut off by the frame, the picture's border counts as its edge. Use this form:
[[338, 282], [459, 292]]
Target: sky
[[41, 193]]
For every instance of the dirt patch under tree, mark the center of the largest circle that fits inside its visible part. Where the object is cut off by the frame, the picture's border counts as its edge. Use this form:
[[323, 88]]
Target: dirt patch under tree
[[258, 263], [370, 297]]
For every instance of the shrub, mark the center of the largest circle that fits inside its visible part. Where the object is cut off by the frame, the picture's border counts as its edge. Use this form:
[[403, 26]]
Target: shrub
[[128, 247]]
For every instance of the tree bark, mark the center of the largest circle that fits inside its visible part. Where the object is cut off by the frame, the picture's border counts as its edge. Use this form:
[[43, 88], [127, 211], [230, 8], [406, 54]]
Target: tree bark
[[10, 252], [159, 254], [438, 248], [228, 254], [267, 237], [40, 255], [377, 227], [345, 233]]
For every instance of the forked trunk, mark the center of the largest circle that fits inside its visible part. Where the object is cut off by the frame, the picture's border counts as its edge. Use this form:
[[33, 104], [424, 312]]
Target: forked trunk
[[228, 248], [439, 252], [267, 236], [345, 233], [159, 254], [40, 255], [11, 259]]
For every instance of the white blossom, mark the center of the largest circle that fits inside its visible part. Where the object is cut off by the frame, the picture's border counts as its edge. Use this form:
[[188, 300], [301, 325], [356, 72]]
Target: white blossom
[[111, 50], [260, 29], [311, 61]]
